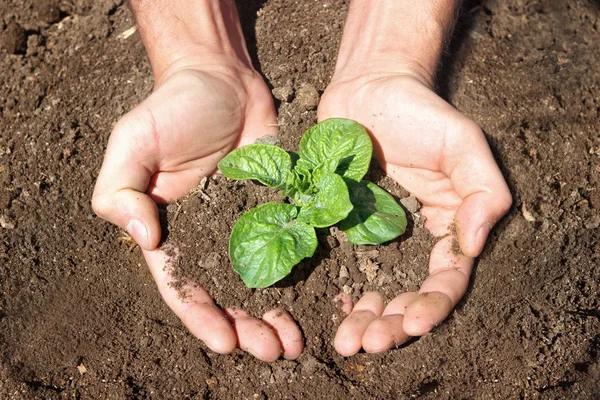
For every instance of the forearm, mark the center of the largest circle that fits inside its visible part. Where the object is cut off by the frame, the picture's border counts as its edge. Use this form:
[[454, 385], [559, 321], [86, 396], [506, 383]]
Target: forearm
[[175, 31], [396, 34]]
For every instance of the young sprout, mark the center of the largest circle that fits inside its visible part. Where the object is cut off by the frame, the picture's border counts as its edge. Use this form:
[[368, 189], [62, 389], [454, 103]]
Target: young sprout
[[324, 184]]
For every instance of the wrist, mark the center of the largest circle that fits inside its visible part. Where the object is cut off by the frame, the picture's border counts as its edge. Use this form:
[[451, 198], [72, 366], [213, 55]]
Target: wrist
[[395, 37], [203, 34]]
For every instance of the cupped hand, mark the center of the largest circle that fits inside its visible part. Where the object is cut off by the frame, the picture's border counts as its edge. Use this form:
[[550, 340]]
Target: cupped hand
[[441, 157], [161, 150]]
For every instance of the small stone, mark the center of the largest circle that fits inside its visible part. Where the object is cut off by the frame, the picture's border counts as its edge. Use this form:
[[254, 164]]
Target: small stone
[[212, 381], [526, 214], [308, 97], [593, 222], [344, 272], [6, 222], [268, 139], [82, 369], [410, 203], [347, 289], [14, 39], [284, 93]]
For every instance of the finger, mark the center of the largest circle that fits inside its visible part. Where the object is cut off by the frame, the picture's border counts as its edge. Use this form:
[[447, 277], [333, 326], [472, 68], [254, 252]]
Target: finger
[[384, 333], [449, 272], [192, 304], [287, 332], [477, 179], [387, 331], [126, 170], [165, 187], [254, 336], [440, 193], [344, 302], [348, 339], [261, 117], [399, 304], [477, 215]]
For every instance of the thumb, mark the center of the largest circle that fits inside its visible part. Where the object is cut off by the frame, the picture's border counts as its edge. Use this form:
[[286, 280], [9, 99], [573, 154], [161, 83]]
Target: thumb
[[130, 161], [478, 180], [476, 216]]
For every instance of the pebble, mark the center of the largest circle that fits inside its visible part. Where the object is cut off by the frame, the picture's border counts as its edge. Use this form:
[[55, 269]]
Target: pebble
[[6, 222], [344, 272], [268, 139], [308, 97], [593, 222]]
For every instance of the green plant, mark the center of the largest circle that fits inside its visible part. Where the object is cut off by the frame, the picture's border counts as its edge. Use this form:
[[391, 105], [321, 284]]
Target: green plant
[[324, 182]]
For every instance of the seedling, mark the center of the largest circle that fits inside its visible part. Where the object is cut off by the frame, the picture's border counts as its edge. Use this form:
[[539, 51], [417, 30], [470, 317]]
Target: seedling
[[324, 184]]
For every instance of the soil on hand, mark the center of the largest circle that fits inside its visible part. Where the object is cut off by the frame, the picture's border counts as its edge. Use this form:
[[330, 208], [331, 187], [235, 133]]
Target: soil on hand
[[80, 315]]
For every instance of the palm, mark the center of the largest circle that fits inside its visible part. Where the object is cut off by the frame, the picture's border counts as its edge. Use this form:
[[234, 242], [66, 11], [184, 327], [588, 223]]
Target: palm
[[196, 118], [409, 136], [159, 152], [442, 158]]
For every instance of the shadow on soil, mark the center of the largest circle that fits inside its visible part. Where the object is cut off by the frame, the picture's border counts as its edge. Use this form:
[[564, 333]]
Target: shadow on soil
[[247, 10]]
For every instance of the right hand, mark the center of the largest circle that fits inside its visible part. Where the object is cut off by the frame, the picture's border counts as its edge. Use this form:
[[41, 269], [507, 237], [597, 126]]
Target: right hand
[[161, 150]]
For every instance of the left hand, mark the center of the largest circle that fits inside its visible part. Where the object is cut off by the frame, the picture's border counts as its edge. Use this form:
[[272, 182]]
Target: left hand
[[441, 157]]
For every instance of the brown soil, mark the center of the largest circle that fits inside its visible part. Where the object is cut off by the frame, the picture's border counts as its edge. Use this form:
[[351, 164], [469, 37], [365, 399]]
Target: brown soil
[[80, 316]]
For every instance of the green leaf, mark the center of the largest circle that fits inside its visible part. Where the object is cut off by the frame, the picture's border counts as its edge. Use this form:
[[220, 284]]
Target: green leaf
[[325, 168], [303, 179], [340, 139], [301, 188], [331, 203], [267, 242], [376, 217], [268, 164]]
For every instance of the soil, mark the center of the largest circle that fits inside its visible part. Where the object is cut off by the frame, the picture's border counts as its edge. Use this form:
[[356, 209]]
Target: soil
[[80, 316]]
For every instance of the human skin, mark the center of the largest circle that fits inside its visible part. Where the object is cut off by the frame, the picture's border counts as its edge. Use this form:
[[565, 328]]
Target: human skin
[[207, 100], [384, 79]]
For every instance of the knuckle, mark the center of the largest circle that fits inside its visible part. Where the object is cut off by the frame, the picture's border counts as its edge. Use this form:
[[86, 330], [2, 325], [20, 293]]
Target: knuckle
[[506, 201], [101, 205]]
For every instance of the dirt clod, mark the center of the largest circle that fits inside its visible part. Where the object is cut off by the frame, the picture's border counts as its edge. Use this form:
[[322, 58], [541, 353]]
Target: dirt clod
[[48, 11], [284, 93], [410, 203], [307, 97], [14, 39]]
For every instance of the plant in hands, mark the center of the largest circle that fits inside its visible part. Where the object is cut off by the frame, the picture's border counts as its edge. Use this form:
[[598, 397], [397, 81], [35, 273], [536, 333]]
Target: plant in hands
[[324, 183]]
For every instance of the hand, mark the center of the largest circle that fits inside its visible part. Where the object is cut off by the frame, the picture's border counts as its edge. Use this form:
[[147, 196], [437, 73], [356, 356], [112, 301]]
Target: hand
[[159, 152], [441, 157]]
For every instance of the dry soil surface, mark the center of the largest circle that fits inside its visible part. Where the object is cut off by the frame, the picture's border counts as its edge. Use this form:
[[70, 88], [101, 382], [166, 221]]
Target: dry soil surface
[[80, 316]]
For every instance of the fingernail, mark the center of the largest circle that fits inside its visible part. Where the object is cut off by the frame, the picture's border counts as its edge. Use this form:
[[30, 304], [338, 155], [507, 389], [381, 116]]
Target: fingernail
[[138, 231], [482, 235], [252, 353]]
